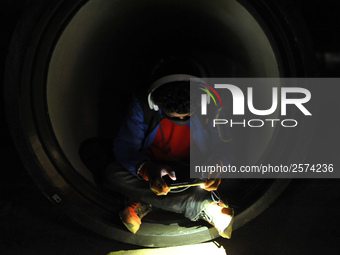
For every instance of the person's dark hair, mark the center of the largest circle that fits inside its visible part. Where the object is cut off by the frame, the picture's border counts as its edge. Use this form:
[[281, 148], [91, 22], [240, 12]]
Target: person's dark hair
[[173, 97]]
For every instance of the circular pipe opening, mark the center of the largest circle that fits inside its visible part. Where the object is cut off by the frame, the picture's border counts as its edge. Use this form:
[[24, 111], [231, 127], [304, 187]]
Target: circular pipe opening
[[90, 56]]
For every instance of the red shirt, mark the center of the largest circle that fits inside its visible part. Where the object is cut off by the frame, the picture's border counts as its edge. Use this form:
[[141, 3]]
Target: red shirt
[[177, 142]]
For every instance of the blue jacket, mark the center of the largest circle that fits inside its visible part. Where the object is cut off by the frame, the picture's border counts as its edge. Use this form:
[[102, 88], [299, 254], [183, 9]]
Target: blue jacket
[[132, 139]]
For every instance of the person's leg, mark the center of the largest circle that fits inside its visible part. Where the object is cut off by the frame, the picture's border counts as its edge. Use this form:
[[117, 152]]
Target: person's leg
[[188, 202]]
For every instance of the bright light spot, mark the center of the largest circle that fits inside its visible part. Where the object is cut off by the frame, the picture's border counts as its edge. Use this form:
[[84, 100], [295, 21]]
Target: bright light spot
[[202, 186], [221, 221]]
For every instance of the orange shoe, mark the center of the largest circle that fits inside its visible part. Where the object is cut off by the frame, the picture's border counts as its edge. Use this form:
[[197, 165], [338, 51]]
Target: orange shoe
[[132, 215], [221, 216]]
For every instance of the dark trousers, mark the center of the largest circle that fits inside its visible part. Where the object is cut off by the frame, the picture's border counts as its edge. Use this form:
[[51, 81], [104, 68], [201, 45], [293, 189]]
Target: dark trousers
[[188, 202]]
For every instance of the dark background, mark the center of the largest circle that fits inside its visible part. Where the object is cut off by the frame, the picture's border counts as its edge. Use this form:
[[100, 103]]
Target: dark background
[[304, 220]]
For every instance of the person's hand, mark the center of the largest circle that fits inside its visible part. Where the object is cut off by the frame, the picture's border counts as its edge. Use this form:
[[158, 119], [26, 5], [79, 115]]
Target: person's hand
[[155, 175], [212, 184]]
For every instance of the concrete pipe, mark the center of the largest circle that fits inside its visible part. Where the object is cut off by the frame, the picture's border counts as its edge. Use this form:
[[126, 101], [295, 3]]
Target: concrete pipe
[[73, 65]]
